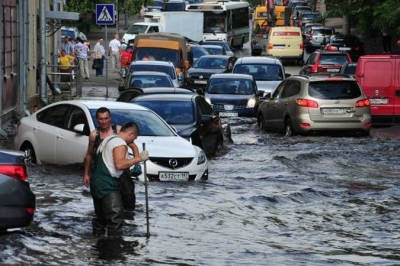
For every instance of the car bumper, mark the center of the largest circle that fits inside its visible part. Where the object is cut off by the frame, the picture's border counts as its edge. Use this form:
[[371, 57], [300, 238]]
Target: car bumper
[[284, 54]]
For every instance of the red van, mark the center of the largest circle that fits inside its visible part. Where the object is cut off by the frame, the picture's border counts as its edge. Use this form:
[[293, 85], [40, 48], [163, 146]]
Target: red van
[[379, 76]]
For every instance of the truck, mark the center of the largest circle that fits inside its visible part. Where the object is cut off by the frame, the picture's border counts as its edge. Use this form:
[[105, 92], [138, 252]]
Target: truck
[[163, 46], [188, 24]]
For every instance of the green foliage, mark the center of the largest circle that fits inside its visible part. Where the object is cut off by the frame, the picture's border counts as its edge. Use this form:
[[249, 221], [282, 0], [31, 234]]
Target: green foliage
[[370, 16]]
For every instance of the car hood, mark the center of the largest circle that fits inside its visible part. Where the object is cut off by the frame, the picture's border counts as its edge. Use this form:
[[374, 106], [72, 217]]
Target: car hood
[[229, 98], [204, 71], [267, 86], [167, 147]]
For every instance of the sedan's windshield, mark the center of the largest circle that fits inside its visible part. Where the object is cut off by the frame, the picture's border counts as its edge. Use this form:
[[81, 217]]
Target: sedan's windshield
[[230, 86], [157, 68], [260, 71], [149, 123], [148, 81], [177, 112]]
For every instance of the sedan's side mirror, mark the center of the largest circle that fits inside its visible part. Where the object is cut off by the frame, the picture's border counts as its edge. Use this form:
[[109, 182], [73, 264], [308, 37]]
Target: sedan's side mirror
[[206, 119]]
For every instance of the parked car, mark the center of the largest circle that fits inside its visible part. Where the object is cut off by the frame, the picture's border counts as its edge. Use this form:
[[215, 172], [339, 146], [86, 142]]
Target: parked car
[[146, 79], [305, 31], [316, 104], [199, 73], [193, 118], [267, 72], [128, 95], [321, 61], [198, 51], [349, 69], [295, 3], [348, 43], [58, 134], [214, 49], [17, 201], [159, 66], [223, 44], [317, 37], [72, 33], [233, 95]]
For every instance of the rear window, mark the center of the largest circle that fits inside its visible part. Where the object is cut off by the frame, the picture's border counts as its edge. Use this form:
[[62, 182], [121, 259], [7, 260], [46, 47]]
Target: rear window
[[170, 71], [333, 59], [334, 90], [286, 33], [323, 31]]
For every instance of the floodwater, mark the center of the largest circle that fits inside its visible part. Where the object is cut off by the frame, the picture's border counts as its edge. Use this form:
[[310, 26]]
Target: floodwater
[[270, 200]]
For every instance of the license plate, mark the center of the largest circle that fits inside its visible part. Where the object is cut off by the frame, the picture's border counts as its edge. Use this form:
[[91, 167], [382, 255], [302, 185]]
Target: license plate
[[344, 48], [333, 111], [333, 70], [279, 47], [228, 114], [200, 82], [378, 101], [173, 176]]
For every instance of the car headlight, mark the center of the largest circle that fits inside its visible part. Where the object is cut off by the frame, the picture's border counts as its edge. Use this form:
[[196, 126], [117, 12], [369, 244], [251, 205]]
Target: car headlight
[[202, 158], [208, 100], [251, 103]]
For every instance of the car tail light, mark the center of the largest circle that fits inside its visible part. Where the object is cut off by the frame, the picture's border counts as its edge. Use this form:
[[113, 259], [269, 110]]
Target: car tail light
[[310, 37], [307, 103], [15, 171], [314, 68], [30, 210], [330, 47], [363, 103], [270, 46], [369, 124], [305, 125], [302, 46]]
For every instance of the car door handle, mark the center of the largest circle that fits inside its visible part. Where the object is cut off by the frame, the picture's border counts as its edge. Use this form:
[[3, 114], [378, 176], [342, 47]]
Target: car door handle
[[60, 137], [36, 129]]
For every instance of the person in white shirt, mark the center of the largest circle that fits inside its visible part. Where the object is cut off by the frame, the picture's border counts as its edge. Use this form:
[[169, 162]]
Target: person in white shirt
[[99, 53], [114, 49]]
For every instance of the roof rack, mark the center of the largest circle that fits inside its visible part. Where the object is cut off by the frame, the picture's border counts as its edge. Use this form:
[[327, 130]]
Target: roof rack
[[331, 75]]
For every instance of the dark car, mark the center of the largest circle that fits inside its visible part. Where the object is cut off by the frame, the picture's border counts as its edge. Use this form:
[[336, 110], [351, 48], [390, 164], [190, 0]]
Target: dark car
[[214, 49], [321, 61], [348, 43], [233, 95], [309, 17], [199, 73], [128, 95], [318, 36], [17, 201], [146, 79], [197, 51], [349, 69], [190, 114], [223, 44]]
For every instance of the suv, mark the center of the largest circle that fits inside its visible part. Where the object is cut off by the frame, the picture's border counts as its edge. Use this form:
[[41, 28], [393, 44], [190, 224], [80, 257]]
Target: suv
[[348, 43], [309, 17], [325, 103], [317, 36], [159, 66], [321, 61]]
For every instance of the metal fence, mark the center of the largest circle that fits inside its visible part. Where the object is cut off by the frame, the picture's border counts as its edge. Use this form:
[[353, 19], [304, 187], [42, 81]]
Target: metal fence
[[66, 84]]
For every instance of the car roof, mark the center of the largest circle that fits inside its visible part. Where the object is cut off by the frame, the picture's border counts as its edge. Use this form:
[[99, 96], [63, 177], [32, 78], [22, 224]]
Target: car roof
[[215, 56], [95, 104], [152, 62], [321, 27], [323, 76], [330, 52], [232, 76], [212, 46], [166, 97], [258, 59]]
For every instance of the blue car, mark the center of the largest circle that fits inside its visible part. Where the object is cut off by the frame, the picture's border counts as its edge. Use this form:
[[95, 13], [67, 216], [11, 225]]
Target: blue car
[[233, 95]]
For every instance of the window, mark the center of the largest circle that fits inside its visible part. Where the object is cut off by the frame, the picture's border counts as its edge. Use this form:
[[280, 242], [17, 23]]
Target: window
[[54, 116]]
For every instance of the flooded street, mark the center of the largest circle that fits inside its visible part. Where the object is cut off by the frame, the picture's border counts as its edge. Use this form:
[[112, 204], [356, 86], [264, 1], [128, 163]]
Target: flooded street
[[270, 200]]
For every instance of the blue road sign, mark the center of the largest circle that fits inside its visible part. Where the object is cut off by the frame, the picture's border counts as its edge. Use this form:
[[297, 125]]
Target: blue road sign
[[105, 14]]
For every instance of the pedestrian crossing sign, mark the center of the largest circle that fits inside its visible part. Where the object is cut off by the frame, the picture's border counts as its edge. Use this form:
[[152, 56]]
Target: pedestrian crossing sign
[[105, 14]]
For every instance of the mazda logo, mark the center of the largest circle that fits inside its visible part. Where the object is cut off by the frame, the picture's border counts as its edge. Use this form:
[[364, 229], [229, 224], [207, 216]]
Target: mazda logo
[[173, 163]]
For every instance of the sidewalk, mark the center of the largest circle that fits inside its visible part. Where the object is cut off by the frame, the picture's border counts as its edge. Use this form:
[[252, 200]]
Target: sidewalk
[[105, 87]]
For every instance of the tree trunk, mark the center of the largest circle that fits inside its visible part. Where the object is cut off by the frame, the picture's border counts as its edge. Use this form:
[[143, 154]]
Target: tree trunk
[[346, 25]]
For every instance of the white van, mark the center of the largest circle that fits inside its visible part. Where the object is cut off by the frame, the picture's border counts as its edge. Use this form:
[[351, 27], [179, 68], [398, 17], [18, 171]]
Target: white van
[[286, 43]]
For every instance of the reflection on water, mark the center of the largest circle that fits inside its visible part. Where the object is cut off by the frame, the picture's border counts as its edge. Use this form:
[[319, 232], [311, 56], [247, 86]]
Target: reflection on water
[[269, 200]]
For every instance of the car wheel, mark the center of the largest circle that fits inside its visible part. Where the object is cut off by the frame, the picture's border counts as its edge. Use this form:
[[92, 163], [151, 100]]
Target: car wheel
[[29, 153], [261, 122], [289, 131]]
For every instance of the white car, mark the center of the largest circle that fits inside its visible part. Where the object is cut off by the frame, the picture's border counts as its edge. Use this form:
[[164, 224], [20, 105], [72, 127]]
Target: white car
[[58, 134]]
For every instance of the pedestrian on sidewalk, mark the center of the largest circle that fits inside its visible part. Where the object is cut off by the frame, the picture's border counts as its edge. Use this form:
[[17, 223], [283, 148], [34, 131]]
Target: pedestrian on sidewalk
[[82, 51], [114, 49], [386, 41], [66, 62], [99, 54]]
